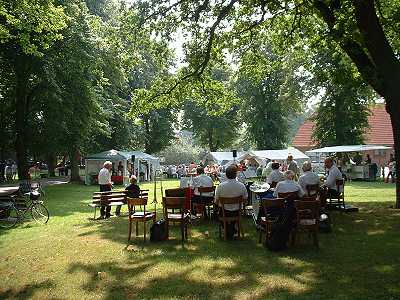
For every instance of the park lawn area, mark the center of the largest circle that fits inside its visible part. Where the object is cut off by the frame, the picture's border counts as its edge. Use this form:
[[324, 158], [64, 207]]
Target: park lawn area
[[73, 257]]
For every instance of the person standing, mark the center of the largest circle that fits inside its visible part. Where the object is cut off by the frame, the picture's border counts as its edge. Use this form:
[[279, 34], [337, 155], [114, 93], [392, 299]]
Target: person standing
[[291, 165], [105, 186], [14, 169]]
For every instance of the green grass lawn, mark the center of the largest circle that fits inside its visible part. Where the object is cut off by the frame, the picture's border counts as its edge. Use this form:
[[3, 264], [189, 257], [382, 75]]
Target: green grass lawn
[[73, 257]]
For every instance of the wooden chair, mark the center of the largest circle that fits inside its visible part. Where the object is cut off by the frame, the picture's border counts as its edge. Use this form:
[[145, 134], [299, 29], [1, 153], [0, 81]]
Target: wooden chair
[[222, 201], [268, 221], [176, 192], [200, 207], [338, 202], [312, 190], [307, 219], [136, 216], [289, 195], [183, 217]]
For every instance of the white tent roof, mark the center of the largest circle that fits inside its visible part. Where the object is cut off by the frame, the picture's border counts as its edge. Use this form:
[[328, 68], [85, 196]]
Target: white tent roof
[[349, 148], [280, 154], [224, 156]]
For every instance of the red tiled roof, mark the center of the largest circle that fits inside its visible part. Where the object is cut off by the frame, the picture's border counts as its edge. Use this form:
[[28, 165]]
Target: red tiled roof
[[303, 136], [379, 133]]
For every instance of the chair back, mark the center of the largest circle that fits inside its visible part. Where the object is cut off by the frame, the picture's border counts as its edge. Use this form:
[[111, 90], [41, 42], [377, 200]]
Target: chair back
[[340, 185], [133, 202], [307, 210], [268, 203], [289, 195], [273, 184], [174, 202], [312, 189], [177, 192], [206, 189], [231, 200]]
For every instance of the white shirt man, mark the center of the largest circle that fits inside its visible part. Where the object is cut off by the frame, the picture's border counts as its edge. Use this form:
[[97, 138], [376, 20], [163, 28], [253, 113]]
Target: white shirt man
[[275, 176], [308, 178], [104, 177], [231, 188], [288, 185], [333, 175], [202, 180]]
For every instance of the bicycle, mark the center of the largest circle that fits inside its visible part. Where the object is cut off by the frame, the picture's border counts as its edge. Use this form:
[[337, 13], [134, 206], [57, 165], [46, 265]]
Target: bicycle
[[12, 212]]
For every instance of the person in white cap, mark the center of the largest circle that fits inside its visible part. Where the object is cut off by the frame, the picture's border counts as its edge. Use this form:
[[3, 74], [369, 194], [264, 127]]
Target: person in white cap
[[105, 184]]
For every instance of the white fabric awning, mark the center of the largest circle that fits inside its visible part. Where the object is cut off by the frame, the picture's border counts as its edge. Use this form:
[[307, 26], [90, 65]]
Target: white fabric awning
[[280, 154], [349, 148]]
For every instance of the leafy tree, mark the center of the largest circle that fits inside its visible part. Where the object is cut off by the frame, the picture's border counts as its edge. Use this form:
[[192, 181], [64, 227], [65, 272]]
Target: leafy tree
[[181, 151], [268, 103], [27, 31], [365, 30], [342, 115]]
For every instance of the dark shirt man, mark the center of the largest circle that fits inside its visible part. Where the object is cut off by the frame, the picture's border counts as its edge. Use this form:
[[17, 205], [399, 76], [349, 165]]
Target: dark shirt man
[[132, 191]]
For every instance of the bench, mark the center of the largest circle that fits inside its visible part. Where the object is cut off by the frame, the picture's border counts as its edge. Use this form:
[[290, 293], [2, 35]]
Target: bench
[[111, 198], [107, 199]]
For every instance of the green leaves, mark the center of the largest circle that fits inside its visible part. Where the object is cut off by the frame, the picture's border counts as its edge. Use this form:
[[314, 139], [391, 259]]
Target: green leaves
[[34, 25]]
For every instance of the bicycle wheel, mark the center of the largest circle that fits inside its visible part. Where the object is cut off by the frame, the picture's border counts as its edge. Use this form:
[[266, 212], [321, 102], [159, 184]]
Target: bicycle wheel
[[8, 216], [39, 213]]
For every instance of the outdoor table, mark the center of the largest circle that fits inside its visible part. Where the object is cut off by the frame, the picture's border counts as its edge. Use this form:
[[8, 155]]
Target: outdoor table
[[257, 191]]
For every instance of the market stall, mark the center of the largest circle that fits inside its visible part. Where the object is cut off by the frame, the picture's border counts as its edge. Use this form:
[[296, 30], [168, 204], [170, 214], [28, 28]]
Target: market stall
[[351, 168], [280, 155], [144, 164]]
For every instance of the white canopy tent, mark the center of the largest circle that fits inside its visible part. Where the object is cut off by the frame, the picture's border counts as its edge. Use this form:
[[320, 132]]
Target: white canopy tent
[[226, 158], [144, 163], [348, 148], [222, 158], [281, 154]]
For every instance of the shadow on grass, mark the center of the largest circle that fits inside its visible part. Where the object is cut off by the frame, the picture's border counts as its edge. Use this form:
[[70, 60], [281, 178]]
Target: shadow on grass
[[355, 261], [27, 292]]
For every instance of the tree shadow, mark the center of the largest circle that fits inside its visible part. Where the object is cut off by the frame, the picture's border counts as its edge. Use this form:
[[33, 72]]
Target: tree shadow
[[26, 292]]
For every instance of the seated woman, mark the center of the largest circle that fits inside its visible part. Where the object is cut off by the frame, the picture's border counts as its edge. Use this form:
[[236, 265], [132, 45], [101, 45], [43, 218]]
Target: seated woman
[[132, 191], [276, 175], [288, 185], [308, 177]]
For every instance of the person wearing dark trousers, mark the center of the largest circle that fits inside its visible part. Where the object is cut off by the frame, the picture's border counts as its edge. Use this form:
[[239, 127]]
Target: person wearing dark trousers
[[105, 186]]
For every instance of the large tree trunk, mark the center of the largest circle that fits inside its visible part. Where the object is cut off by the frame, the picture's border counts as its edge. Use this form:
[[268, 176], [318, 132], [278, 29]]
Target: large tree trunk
[[51, 164], [74, 158], [147, 142], [394, 112], [22, 76]]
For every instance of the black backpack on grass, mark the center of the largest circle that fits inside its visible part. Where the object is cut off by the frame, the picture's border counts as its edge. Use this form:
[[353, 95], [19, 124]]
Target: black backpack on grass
[[281, 229], [158, 231]]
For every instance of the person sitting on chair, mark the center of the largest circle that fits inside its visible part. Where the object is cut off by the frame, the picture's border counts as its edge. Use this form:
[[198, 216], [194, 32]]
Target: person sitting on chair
[[227, 189], [131, 191], [330, 182], [276, 175], [202, 180], [308, 177], [105, 186], [288, 185]]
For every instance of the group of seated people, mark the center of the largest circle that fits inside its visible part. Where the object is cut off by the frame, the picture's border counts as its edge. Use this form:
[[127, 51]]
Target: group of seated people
[[285, 182]]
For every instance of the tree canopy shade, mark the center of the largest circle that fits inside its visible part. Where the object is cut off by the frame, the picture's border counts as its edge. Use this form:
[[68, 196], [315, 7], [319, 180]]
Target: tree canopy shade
[[363, 29]]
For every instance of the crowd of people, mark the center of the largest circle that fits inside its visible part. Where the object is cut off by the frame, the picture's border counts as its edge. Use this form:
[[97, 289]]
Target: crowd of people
[[8, 171]]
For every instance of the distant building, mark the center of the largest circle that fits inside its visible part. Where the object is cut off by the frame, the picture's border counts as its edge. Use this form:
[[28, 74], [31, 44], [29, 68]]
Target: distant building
[[379, 133]]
